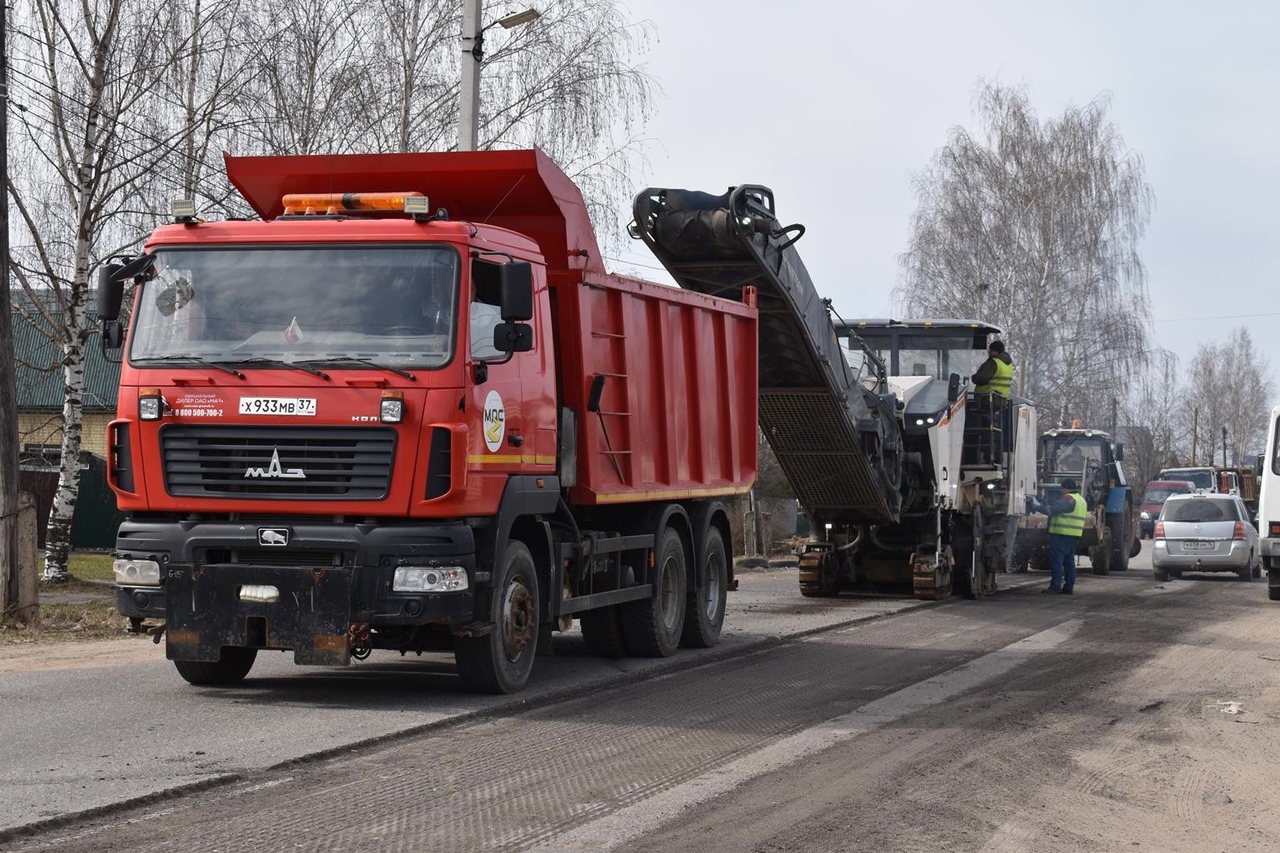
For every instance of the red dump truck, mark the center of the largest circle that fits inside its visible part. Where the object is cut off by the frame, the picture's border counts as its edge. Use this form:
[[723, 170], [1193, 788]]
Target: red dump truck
[[408, 409]]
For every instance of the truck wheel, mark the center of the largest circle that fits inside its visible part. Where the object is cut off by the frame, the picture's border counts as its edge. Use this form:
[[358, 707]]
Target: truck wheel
[[1040, 560], [652, 627], [704, 611], [500, 661], [602, 632], [230, 668]]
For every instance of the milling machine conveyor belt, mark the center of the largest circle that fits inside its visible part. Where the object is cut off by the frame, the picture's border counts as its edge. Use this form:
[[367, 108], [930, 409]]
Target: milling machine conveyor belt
[[838, 442]]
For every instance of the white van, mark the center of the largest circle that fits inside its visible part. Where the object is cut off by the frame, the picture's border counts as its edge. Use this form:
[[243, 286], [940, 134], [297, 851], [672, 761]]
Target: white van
[[1269, 507]]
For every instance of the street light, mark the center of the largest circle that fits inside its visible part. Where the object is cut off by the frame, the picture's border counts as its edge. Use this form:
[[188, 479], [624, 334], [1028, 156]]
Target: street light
[[472, 56]]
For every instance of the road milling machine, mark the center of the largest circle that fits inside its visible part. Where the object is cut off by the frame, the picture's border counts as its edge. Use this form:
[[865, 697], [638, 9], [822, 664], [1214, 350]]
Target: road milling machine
[[908, 477]]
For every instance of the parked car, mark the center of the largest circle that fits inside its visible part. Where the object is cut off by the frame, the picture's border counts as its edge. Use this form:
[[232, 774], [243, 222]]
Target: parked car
[[1205, 532], [1153, 498]]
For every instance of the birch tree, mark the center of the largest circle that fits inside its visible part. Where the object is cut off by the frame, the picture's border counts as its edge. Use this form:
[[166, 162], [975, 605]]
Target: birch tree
[[1154, 411], [1034, 226], [81, 73], [1229, 385]]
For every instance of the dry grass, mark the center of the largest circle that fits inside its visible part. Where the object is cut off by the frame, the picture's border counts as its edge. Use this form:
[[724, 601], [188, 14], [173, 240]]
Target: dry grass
[[61, 620], [96, 620]]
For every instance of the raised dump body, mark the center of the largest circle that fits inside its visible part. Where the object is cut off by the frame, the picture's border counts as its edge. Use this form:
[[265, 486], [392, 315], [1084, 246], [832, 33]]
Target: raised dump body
[[837, 441]]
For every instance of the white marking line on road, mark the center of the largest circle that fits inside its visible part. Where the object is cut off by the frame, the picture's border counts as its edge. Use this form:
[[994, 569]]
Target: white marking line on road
[[633, 821]]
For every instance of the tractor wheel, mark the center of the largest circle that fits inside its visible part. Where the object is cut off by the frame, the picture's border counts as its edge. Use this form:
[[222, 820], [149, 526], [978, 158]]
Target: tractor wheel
[[1100, 556], [1121, 530]]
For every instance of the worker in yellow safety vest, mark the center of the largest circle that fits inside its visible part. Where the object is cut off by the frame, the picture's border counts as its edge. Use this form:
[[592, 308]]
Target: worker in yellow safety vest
[[995, 375], [1066, 525]]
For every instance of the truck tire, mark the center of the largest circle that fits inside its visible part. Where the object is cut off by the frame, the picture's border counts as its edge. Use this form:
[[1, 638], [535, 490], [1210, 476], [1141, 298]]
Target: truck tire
[[652, 627], [231, 668], [500, 661], [602, 632], [704, 611]]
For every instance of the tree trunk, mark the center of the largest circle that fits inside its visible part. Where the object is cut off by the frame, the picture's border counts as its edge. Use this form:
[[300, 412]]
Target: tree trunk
[[58, 535]]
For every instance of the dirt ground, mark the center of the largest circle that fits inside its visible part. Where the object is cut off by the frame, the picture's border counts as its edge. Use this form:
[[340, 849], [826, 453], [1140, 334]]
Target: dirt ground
[[76, 654], [1149, 737]]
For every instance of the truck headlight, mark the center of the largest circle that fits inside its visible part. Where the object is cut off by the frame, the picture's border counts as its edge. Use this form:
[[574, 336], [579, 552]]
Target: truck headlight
[[429, 579], [136, 572], [391, 408]]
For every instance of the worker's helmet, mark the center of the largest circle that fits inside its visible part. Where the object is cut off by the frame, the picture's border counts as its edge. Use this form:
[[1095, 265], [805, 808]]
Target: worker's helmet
[[1069, 484]]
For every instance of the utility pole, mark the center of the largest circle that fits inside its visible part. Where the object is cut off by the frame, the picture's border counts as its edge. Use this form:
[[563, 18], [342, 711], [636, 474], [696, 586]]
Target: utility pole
[[9, 567], [1195, 430], [469, 90], [1224, 447], [472, 58]]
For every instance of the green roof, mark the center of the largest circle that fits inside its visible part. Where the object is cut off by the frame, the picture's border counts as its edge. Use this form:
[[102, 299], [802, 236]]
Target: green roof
[[41, 389]]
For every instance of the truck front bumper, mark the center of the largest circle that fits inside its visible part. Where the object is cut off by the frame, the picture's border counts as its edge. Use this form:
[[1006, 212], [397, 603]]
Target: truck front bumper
[[326, 578]]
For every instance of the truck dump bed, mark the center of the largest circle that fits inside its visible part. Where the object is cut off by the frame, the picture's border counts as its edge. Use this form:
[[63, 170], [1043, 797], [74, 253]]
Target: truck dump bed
[[837, 442], [674, 414]]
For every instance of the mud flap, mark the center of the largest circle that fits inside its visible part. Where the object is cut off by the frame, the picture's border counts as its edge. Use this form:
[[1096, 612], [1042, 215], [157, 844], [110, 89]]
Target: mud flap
[[311, 616]]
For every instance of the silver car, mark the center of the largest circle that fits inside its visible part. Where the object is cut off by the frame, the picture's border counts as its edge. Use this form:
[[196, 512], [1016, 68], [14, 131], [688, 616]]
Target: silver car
[[1205, 532]]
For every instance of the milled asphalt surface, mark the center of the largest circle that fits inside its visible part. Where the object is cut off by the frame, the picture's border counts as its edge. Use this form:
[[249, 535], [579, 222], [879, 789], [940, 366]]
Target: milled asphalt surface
[[83, 740]]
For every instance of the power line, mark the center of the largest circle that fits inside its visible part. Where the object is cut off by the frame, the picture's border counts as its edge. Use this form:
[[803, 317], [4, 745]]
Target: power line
[[1217, 317]]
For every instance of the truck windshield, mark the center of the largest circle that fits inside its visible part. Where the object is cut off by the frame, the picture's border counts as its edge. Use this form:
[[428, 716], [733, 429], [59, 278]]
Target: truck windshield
[[385, 305]]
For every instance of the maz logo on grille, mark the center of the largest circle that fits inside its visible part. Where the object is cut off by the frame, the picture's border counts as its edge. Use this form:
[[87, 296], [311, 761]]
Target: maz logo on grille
[[275, 469]]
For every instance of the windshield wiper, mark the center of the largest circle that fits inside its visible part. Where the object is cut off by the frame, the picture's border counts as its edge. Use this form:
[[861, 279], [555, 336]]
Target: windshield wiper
[[192, 359], [276, 362], [348, 359]]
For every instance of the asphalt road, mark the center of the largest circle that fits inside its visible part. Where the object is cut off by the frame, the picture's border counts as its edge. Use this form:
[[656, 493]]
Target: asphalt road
[[854, 724], [86, 732]]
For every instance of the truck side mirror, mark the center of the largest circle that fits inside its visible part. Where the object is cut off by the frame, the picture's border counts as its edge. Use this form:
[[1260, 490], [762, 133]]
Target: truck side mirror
[[513, 337], [1119, 452], [953, 387], [110, 292], [515, 289]]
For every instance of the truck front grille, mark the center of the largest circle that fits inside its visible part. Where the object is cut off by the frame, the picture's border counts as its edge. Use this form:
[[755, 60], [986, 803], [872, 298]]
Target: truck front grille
[[301, 463]]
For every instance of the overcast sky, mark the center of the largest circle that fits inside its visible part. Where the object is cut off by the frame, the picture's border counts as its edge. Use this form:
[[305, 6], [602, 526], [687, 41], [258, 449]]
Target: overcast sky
[[835, 106]]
